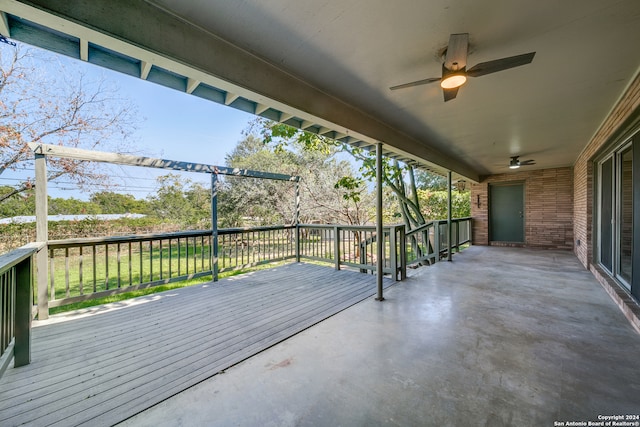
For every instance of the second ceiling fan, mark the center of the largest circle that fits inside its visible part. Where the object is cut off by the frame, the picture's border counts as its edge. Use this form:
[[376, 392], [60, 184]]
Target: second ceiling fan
[[454, 68]]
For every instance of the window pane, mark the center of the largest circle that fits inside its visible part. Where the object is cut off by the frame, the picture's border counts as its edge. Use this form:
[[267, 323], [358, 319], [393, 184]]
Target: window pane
[[626, 214]]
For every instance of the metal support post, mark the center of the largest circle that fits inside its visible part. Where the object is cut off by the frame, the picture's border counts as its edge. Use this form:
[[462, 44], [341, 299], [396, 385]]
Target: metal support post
[[449, 223], [379, 229]]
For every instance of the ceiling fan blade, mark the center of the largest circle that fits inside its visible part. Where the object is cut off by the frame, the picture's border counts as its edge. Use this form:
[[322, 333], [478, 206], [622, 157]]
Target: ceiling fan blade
[[496, 65], [527, 162], [450, 94], [456, 57], [416, 83]]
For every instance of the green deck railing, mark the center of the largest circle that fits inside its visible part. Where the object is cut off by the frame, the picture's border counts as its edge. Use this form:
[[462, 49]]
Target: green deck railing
[[80, 269], [16, 300], [428, 243]]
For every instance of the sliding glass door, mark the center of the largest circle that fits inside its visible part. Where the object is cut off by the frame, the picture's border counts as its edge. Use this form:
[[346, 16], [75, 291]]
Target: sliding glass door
[[616, 213]]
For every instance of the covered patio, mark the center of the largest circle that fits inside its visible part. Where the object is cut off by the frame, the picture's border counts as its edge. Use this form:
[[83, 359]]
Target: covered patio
[[501, 336], [100, 365], [518, 332]]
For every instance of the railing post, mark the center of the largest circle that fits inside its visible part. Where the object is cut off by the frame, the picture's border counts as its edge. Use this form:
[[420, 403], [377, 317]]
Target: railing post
[[403, 251], [24, 300], [393, 253], [336, 246], [436, 241], [297, 242], [361, 241], [457, 224], [297, 220], [42, 233]]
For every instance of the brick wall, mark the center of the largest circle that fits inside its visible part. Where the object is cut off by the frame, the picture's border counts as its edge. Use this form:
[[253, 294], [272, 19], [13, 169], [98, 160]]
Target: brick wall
[[548, 195], [583, 169]]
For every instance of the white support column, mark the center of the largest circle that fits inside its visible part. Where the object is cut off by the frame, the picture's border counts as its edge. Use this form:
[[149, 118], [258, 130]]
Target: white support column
[[379, 229], [42, 234]]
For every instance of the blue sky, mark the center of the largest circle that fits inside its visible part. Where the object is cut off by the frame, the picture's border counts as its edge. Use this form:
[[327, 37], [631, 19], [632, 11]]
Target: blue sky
[[173, 125], [179, 126], [176, 126]]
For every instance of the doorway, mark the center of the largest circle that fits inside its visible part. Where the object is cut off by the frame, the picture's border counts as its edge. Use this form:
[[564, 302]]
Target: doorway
[[506, 220], [618, 216]]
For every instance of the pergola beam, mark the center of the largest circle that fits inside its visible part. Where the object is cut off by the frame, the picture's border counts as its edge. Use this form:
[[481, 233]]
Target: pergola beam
[[150, 162]]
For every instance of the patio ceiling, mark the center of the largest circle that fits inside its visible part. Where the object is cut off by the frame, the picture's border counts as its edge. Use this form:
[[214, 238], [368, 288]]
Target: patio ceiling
[[327, 66]]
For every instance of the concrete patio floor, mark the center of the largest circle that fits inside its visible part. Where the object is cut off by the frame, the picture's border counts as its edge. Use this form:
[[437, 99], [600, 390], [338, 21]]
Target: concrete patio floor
[[499, 337]]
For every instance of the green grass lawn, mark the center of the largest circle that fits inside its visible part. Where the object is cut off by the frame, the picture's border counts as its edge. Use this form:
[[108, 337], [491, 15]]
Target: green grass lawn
[[77, 274], [110, 270], [155, 289]]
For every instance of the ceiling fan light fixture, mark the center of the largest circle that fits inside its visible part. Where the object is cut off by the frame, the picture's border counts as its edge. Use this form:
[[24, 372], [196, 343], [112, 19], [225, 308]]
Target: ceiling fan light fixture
[[514, 163], [454, 67], [453, 81]]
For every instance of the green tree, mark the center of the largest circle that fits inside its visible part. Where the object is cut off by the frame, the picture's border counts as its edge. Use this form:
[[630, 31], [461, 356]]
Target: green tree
[[71, 206], [397, 177], [329, 191], [16, 204], [426, 180], [180, 201], [435, 204], [401, 179], [118, 203]]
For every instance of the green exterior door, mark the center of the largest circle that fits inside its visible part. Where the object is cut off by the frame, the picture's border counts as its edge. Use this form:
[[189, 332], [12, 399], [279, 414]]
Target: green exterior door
[[506, 219]]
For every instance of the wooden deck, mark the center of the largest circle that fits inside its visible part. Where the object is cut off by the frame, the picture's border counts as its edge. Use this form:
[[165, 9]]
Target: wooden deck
[[103, 368]]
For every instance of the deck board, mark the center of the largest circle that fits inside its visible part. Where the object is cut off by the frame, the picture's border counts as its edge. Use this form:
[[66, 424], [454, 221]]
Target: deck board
[[104, 368]]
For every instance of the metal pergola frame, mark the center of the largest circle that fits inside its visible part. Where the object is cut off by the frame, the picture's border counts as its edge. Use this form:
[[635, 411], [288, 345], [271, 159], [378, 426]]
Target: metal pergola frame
[[41, 151]]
